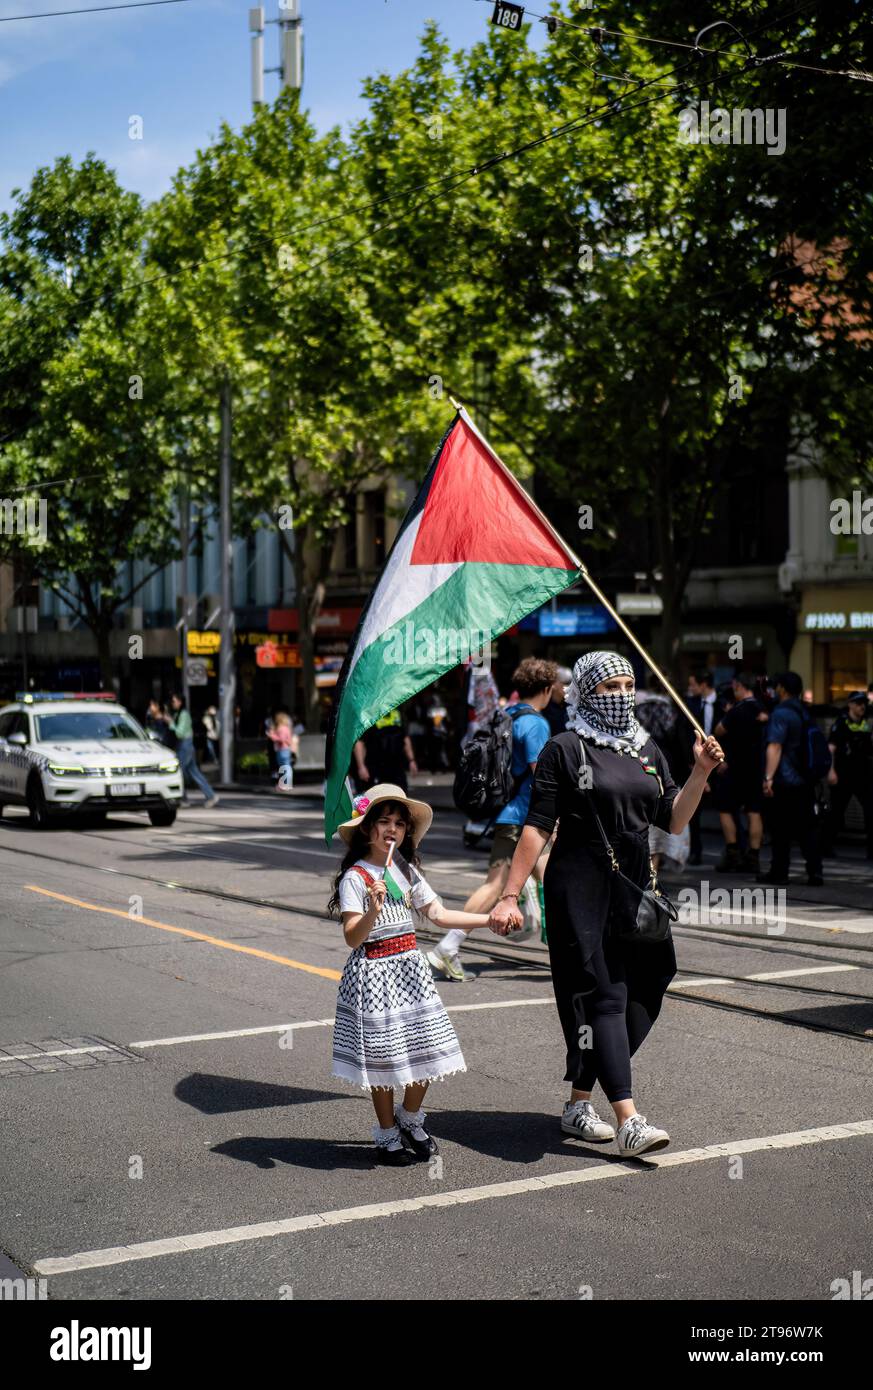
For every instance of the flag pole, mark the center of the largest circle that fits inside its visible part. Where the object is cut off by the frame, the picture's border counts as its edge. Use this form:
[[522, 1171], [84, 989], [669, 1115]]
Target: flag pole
[[643, 653], [599, 594]]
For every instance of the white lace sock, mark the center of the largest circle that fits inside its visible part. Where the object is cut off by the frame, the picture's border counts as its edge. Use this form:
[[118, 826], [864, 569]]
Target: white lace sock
[[388, 1138], [413, 1120], [452, 942]]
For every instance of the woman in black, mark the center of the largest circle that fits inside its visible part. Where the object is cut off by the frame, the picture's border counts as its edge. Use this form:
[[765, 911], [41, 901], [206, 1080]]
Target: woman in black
[[608, 990]]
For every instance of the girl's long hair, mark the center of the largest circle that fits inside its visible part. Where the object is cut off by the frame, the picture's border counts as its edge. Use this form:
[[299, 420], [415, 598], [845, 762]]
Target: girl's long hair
[[359, 847]]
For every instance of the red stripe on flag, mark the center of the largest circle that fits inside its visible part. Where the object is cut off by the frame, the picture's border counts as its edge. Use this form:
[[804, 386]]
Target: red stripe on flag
[[475, 512]]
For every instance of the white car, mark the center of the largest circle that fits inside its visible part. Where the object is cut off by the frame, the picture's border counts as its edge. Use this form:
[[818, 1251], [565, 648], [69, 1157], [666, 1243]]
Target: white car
[[61, 754]]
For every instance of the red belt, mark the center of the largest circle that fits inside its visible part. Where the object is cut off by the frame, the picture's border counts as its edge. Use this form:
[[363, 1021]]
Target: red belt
[[391, 946]]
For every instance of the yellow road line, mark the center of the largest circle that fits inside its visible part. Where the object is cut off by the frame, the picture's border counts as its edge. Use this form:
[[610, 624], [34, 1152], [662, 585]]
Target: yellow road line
[[183, 931]]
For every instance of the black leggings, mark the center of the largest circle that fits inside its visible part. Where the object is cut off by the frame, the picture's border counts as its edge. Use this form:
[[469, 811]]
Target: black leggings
[[620, 1012]]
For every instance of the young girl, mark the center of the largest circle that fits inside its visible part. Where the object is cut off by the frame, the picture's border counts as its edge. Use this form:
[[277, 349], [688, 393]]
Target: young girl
[[391, 1027], [285, 743]]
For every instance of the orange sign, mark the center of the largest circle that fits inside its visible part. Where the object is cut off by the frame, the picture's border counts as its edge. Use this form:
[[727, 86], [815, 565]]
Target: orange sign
[[269, 654]]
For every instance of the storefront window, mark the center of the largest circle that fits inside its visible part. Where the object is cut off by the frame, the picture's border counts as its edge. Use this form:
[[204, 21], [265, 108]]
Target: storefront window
[[846, 670]]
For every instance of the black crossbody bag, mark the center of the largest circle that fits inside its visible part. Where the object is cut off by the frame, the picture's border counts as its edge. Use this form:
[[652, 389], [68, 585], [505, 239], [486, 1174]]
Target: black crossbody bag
[[655, 911]]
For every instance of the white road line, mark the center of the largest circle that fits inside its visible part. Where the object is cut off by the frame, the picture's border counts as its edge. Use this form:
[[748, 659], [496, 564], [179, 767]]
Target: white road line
[[202, 1240], [763, 975], [236, 1033], [307, 1023], [498, 1004], [860, 925], [57, 1052], [692, 984], [815, 970]]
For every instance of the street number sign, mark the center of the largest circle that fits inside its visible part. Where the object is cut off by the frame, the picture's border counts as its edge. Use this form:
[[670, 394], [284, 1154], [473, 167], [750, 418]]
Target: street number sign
[[507, 16]]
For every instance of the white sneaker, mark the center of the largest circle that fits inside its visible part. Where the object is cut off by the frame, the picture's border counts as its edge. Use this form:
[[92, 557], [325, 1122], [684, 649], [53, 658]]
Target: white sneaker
[[637, 1136], [450, 966], [582, 1121]]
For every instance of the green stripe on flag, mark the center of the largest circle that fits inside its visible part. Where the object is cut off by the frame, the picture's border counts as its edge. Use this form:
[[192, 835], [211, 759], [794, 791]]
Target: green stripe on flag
[[393, 889], [478, 597]]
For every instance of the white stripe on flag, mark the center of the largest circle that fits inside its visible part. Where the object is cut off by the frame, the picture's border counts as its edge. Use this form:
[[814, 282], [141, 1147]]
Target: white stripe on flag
[[402, 588]]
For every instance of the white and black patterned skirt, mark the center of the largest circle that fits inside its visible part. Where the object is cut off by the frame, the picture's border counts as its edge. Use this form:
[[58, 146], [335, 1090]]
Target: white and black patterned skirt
[[391, 1026]]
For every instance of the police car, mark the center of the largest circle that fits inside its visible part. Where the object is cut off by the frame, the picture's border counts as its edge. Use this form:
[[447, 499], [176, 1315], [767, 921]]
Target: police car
[[63, 753]]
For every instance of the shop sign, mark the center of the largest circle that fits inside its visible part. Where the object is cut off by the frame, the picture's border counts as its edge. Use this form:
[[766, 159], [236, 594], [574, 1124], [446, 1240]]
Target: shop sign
[[586, 619], [203, 643], [856, 620], [269, 654], [642, 604]]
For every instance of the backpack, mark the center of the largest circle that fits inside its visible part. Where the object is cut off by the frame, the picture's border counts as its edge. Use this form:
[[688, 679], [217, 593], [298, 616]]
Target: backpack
[[817, 755], [484, 782]]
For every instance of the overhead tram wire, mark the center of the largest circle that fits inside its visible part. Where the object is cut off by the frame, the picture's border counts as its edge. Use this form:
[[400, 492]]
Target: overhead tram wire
[[614, 106], [90, 9], [777, 59], [446, 183], [610, 108]]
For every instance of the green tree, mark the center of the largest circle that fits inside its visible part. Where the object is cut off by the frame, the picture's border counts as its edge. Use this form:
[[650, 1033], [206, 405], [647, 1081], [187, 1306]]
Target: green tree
[[82, 378]]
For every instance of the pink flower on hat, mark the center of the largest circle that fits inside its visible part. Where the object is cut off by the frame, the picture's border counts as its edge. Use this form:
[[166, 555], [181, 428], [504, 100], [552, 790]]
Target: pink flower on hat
[[359, 805]]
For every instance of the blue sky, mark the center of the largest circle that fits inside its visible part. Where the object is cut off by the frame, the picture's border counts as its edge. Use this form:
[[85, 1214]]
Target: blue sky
[[69, 85]]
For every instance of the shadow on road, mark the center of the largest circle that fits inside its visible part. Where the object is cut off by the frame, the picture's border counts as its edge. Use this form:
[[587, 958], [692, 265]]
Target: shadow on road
[[221, 1095]]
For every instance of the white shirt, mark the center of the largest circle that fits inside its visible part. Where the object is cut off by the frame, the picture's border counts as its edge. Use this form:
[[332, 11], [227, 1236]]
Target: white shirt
[[708, 711], [395, 919]]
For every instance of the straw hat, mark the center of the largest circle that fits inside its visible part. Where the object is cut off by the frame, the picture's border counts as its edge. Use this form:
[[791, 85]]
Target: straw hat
[[420, 812]]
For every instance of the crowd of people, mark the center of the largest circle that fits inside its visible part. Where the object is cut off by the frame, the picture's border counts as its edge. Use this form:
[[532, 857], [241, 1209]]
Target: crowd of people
[[781, 775], [765, 784]]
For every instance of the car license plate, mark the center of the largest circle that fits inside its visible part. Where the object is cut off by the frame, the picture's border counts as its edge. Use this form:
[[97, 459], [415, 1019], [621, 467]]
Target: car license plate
[[125, 789]]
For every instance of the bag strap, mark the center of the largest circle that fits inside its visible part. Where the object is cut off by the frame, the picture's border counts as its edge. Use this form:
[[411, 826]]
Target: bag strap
[[367, 877], [611, 855]]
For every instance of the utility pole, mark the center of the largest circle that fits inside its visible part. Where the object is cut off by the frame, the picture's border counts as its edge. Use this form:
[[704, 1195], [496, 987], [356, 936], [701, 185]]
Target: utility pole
[[227, 653], [184, 525], [290, 66]]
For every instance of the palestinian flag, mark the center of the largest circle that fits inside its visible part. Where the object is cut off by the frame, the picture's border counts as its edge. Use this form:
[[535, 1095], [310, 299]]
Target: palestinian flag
[[394, 878], [474, 555]]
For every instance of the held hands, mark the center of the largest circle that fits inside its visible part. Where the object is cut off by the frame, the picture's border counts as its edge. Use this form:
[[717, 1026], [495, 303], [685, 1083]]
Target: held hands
[[707, 753], [505, 917]]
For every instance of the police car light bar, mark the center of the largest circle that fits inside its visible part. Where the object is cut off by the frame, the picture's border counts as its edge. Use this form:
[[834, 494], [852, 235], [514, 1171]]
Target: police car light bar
[[30, 697]]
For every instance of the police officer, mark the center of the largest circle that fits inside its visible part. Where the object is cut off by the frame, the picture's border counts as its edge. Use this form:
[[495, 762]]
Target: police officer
[[851, 745]]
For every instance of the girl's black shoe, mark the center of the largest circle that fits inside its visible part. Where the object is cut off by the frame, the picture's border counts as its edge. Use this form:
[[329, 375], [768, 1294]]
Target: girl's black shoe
[[419, 1139], [393, 1158]]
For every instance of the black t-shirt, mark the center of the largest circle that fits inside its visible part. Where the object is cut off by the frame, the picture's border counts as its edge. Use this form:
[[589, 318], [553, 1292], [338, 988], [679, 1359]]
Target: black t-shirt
[[744, 740], [386, 760]]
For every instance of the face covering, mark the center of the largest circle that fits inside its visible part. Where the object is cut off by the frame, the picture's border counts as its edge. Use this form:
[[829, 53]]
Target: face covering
[[608, 718]]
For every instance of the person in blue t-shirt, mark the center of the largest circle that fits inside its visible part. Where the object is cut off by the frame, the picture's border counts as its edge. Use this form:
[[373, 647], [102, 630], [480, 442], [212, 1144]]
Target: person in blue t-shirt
[[787, 792], [534, 680]]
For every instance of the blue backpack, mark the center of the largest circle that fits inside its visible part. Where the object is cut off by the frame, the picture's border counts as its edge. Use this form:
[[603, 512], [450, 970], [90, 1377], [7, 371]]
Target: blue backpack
[[817, 755]]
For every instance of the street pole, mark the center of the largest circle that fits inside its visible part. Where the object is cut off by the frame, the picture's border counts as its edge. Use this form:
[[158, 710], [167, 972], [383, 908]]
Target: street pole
[[184, 526], [227, 655], [256, 28], [290, 65]]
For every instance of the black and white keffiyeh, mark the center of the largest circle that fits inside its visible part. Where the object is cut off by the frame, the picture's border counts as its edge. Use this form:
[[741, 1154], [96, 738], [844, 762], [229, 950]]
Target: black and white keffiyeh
[[607, 720]]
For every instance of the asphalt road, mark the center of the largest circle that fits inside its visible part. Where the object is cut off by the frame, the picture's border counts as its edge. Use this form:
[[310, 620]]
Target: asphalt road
[[187, 1141]]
